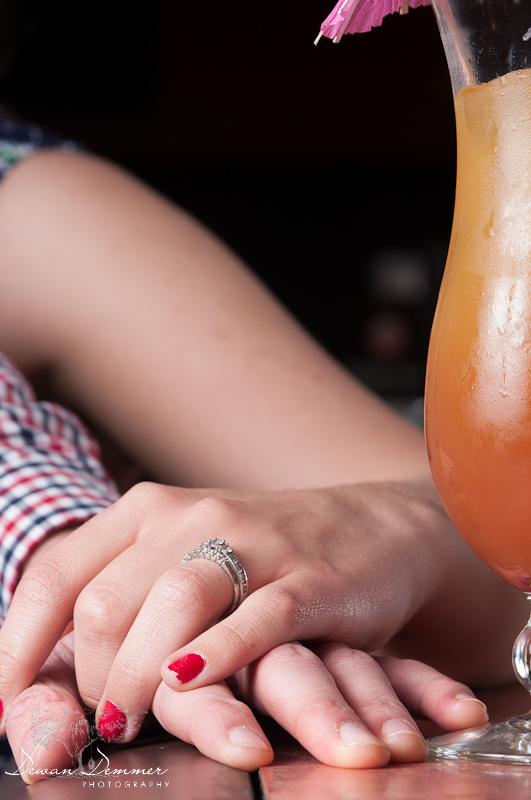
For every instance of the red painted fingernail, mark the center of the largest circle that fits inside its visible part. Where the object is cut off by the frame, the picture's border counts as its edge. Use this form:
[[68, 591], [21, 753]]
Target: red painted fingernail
[[1, 710], [187, 667], [112, 722]]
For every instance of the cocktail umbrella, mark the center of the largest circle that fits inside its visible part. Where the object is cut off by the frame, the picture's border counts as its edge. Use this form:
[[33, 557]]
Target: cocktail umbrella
[[359, 16]]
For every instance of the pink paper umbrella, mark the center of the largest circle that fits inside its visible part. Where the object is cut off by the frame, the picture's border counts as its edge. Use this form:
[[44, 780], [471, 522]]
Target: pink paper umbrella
[[359, 16]]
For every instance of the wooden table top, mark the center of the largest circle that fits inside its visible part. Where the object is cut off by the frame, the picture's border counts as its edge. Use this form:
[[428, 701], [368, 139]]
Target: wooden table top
[[294, 774]]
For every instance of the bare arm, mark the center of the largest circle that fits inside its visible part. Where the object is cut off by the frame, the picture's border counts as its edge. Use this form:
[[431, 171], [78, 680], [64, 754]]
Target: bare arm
[[154, 329], [186, 359]]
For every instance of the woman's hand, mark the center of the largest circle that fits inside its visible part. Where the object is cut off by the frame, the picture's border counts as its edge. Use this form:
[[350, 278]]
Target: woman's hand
[[342, 705], [351, 564]]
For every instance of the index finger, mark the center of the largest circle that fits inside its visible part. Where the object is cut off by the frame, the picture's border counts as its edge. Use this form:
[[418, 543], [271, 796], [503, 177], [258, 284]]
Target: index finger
[[44, 600]]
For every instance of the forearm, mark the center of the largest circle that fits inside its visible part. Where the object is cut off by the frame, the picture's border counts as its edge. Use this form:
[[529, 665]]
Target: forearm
[[192, 366]]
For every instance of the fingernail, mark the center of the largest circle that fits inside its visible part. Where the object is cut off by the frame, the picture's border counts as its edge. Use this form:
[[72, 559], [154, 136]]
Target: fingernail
[[1, 710], [242, 736], [399, 727], [462, 697], [187, 667], [112, 722], [352, 734]]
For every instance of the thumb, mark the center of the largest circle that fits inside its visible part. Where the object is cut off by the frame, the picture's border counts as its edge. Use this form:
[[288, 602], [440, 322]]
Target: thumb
[[46, 725]]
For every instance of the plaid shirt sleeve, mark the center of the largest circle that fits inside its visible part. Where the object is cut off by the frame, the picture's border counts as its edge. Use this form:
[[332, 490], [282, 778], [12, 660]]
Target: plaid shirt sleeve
[[51, 476]]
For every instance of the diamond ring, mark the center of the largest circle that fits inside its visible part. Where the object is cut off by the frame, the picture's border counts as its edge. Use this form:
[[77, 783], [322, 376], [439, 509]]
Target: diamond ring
[[221, 552]]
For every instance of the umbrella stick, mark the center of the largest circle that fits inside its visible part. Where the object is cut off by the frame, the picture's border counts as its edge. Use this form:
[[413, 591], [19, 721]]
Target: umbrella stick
[[348, 17]]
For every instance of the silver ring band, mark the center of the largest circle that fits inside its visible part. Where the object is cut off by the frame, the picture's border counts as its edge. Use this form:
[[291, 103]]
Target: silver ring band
[[221, 552]]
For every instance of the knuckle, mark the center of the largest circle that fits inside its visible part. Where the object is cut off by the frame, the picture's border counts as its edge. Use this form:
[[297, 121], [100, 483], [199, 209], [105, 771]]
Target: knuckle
[[344, 659], [221, 706], [241, 641], [145, 500], [217, 512], [132, 677], [44, 583], [284, 608], [183, 587], [328, 705], [100, 610], [218, 708], [381, 704], [439, 685], [291, 652], [142, 493], [324, 706]]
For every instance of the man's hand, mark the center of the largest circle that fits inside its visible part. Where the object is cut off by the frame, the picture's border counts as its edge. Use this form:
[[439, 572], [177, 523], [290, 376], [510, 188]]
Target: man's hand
[[343, 706]]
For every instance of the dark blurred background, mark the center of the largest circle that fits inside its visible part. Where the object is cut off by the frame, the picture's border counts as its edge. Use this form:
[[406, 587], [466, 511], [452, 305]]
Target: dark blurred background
[[330, 169]]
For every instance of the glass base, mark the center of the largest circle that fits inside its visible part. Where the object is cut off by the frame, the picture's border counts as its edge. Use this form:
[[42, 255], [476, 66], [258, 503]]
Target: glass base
[[508, 742]]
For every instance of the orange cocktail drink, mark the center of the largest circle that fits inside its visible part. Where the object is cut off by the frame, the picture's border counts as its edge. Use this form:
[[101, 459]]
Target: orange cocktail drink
[[478, 393], [478, 390]]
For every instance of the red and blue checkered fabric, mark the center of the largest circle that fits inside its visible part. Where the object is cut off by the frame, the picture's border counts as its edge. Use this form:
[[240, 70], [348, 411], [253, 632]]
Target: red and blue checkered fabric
[[51, 475]]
